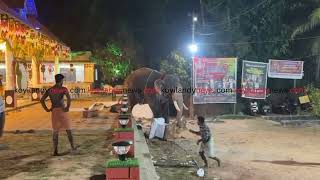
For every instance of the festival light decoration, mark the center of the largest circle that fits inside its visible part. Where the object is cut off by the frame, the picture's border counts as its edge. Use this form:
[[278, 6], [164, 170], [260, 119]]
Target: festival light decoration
[[29, 41], [3, 46]]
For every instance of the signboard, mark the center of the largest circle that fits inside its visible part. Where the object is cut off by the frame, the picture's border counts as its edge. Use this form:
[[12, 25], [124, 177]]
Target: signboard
[[214, 80], [73, 72], [47, 73], [285, 69], [254, 80]]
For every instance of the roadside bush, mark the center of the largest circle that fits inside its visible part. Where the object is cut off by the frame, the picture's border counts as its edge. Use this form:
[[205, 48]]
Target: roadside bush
[[314, 95]]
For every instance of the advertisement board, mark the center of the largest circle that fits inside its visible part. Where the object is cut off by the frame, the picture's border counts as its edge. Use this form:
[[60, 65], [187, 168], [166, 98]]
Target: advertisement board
[[285, 69], [214, 80], [254, 80]]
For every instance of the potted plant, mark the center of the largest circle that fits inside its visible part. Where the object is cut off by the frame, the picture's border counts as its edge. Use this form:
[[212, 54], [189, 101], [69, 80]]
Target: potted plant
[[124, 133], [117, 169]]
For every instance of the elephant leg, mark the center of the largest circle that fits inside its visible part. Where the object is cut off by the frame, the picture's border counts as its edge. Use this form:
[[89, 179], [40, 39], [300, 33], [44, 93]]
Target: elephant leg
[[179, 119], [132, 100]]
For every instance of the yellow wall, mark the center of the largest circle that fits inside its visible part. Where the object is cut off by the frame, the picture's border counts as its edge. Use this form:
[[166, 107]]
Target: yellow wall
[[89, 73]]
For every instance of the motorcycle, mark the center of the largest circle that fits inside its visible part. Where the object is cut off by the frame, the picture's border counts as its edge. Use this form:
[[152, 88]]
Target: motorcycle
[[266, 106], [254, 109], [289, 106]]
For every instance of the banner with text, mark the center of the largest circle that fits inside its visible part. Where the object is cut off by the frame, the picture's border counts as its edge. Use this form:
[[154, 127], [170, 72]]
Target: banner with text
[[285, 69], [214, 80], [254, 79]]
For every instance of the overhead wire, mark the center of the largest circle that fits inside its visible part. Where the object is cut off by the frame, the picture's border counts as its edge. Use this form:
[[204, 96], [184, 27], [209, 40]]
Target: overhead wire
[[260, 42], [226, 30], [241, 14]]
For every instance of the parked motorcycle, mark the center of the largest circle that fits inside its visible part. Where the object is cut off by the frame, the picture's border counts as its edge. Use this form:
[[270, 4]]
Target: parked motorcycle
[[289, 106], [266, 106], [254, 109]]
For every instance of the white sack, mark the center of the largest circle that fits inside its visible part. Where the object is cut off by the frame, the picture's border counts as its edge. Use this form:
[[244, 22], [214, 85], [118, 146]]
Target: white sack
[[142, 111], [157, 128]]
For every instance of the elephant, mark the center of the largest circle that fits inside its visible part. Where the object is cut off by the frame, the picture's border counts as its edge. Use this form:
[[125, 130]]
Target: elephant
[[148, 86]]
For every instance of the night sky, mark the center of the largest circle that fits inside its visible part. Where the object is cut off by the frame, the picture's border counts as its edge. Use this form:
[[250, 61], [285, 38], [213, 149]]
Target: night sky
[[159, 26]]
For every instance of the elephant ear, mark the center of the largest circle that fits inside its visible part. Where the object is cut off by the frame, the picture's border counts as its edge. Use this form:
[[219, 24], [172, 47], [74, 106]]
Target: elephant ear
[[171, 81], [158, 85]]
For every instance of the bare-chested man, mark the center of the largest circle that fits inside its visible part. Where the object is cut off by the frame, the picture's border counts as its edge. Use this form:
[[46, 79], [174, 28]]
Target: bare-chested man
[[59, 116]]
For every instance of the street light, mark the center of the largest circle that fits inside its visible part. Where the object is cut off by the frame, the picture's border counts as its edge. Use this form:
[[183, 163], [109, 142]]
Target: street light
[[122, 148], [195, 18], [123, 121], [193, 48]]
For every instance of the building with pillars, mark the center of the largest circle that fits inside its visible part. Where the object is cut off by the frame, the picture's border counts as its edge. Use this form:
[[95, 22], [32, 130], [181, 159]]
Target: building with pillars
[[30, 55]]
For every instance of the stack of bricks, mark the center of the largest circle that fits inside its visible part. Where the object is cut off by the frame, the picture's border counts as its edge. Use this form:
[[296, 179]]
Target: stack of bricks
[[122, 133]]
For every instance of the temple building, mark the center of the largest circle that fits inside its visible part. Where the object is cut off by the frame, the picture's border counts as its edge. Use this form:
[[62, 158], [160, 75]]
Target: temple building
[[30, 55]]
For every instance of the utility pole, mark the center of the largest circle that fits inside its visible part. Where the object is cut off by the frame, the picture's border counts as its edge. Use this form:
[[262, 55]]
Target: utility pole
[[202, 13], [194, 20], [191, 107]]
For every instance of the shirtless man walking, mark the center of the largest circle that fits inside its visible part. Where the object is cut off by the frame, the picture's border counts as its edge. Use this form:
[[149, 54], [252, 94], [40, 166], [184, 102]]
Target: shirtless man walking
[[59, 116]]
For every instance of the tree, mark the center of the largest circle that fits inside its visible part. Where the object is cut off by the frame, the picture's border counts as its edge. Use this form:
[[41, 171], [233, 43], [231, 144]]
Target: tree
[[247, 21], [178, 65], [309, 26], [115, 65], [260, 30]]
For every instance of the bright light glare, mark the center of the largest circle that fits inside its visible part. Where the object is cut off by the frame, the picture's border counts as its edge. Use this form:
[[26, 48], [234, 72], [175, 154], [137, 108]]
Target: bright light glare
[[193, 48], [195, 19], [3, 46]]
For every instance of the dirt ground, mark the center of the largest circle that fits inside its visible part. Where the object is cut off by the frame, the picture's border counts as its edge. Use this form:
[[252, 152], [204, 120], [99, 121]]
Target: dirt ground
[[34, 117], [29, 155], [252, 149], [249, 150]]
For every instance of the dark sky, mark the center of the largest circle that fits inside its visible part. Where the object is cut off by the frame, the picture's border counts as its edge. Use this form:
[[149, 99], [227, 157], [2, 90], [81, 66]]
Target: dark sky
[[158, 25]]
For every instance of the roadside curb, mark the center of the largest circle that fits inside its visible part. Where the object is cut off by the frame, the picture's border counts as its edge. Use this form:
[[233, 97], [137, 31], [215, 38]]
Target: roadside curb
[[147, 169]]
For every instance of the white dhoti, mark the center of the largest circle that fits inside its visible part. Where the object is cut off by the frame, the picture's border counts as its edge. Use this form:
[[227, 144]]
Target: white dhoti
[[208, 148]]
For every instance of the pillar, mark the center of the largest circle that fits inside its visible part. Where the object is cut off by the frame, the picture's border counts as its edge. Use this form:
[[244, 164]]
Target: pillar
[[10, 95], [56, 65], [35, 73], [10, 71]]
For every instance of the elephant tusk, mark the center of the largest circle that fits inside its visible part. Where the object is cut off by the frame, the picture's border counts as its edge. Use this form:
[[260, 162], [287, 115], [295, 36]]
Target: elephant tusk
[[185, 107], [176, 106]]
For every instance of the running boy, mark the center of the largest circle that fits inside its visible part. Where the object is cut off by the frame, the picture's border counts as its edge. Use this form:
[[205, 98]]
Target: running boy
[[206, 147]]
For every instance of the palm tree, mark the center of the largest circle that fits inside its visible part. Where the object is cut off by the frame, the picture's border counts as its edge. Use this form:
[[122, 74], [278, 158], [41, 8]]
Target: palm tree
[[312, 23]]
